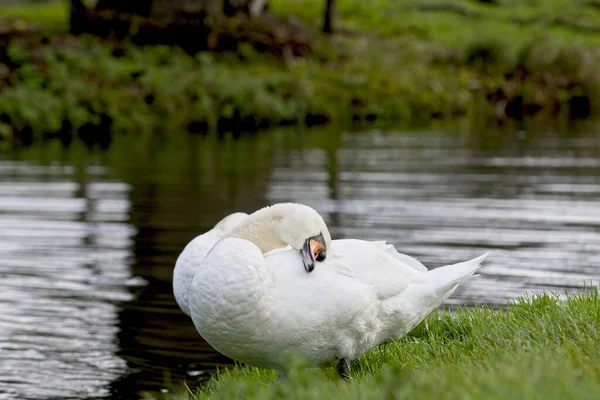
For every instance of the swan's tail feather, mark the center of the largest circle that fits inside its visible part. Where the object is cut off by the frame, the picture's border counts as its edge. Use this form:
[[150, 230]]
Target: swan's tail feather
[[438, 284], [424, 295], [444, 278]]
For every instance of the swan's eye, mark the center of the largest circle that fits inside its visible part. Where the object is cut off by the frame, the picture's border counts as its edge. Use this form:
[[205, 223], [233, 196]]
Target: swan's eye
[[321, 256]]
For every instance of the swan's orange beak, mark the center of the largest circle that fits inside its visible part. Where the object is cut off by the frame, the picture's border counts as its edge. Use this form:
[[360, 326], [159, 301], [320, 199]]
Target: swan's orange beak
[[314, 249]]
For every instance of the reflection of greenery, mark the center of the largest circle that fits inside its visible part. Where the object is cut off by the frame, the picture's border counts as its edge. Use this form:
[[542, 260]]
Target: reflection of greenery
[[194, 160], [394, 60], [537, 348], [185, 181]]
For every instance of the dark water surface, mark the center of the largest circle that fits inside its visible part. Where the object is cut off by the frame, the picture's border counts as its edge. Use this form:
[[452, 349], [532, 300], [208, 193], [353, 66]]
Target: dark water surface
[[88, 238]]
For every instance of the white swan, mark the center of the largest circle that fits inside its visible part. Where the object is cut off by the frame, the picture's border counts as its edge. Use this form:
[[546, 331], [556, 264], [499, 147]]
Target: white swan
[[255, 307], [192, 255]]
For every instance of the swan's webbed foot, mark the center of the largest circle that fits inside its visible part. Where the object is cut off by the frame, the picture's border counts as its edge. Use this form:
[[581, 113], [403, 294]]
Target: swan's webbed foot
[[343, 368]]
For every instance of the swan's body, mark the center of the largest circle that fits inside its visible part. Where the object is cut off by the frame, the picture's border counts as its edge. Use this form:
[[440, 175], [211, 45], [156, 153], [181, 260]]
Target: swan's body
[[255, 305], [192, 255]]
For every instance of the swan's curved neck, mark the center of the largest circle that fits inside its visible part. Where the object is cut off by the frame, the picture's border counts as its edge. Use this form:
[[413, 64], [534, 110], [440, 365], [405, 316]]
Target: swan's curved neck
[[262, 229]]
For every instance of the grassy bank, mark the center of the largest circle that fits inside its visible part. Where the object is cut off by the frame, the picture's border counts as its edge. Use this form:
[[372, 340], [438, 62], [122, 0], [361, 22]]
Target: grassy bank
[[536, 348], [391, 60]]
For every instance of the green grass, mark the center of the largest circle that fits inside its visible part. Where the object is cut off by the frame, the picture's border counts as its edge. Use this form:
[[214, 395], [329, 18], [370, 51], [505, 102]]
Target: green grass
[[539, 347], [455, 22], [51, 16], [393, 60]]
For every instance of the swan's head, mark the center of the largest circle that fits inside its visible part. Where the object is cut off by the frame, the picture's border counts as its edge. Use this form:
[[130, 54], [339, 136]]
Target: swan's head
[[303, 228], [287, 224]]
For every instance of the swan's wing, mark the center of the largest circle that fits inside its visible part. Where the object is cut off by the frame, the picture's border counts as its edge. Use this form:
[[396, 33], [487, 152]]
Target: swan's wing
[[372, 263], [277, 250], [194, 253], [408, 260], [186, 266], [375, 265], [196, 250], [322, 298]]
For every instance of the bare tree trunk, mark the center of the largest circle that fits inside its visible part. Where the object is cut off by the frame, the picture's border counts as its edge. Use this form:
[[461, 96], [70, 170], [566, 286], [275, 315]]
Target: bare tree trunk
[[138, 7], [76, 17], [328, 25], [170, 9]]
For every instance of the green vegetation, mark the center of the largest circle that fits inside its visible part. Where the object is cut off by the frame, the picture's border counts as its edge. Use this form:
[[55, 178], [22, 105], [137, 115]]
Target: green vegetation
[[392, 60], [538, 347], [51, 16]]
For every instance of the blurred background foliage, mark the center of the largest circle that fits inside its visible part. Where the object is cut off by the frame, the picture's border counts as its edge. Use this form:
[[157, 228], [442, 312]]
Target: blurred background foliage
[[129, 71]]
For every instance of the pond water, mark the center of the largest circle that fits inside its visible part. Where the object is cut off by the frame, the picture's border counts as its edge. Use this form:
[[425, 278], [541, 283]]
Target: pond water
[[88, 238]]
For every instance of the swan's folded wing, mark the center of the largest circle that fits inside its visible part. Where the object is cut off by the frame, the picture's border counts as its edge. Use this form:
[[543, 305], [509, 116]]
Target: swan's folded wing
[[287, 248], [194, 253], [408, 260], [371, 264]]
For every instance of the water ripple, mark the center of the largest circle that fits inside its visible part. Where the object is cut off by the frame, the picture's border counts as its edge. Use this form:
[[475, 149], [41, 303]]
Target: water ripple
[[64, 255]]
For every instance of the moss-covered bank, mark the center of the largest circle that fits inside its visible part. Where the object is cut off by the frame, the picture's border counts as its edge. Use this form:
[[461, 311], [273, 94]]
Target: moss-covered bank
[[391, 60], [536, 348]]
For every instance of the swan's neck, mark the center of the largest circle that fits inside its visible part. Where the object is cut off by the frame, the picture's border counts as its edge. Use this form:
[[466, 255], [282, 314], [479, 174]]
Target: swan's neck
[[262, 229]]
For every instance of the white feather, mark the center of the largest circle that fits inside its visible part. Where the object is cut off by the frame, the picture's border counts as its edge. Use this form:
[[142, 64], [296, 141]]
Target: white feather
[[193, 254]]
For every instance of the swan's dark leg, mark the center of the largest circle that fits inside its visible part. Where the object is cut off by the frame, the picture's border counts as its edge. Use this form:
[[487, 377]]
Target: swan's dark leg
[[343, 368]]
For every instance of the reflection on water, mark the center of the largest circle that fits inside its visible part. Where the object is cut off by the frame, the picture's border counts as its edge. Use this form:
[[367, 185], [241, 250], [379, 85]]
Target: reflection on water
[[64, 255], [88, 238]]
